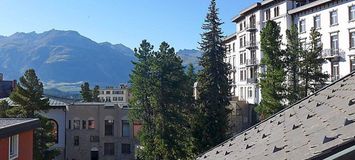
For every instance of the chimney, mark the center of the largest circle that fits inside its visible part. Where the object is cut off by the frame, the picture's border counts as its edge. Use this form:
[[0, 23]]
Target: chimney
[[1, 77]]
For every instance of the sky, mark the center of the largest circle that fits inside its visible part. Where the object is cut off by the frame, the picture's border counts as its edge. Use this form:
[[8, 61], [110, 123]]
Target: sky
[[128, 22]]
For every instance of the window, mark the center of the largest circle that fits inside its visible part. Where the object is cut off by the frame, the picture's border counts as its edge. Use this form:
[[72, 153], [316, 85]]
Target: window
[[109, 127], [84, 124], [117, 92], [119, 98], [240, 26], [233, 47], [334, 40], [91, 124], [109, 149], [352, 13], [352, 63], [276, 11], [241, 42], [108, 92], [125, 128], [335, 71], [54, 130], [241, 75], [13, 147], [69, 124], [76, 124], [76, 140], [241, 93], [352, 39], [302, 26], [267, 14], [94, 138], [250, 92], [303, 45], [241, 58], [114, 99], [316, 20], [333, 18], [126, 148]]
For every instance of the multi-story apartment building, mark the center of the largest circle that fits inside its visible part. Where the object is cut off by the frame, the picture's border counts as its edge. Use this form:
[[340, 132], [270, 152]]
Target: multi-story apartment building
[[99, 131], [115, 95], [334, 19]]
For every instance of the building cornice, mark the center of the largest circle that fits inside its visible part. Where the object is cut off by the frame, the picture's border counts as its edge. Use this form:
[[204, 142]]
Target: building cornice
[[308, 6]]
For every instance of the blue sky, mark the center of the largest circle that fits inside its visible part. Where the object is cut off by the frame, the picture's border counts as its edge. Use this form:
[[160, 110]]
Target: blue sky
[[119, 21]]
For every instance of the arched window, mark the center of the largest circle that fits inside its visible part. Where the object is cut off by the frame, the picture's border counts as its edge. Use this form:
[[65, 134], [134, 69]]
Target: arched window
[[54, 131]]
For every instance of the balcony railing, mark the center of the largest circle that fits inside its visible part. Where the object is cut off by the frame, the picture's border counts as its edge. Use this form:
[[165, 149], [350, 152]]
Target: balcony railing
[[334, 78], [252, 80], [251, 27], [251, 44], [333, 53], [251, 62]]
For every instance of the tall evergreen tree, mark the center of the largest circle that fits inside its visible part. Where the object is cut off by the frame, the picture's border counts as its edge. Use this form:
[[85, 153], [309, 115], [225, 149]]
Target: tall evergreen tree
[[213, 86], [311, 65], [29, 100], [95, 94], [85, 92], [142, 109], [272, 80], [293, 53], [165, 132], [3, 107]]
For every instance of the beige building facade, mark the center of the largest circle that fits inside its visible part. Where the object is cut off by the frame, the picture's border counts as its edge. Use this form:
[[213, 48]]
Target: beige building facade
[[99, 131]]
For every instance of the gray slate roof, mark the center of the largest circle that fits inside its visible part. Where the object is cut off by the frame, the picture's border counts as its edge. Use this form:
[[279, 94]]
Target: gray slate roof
[[12, 126], [311, 128], [52, 102]]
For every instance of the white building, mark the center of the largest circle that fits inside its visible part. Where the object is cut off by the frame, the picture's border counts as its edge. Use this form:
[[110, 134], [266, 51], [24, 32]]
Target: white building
[[334, 19], [115, 95]]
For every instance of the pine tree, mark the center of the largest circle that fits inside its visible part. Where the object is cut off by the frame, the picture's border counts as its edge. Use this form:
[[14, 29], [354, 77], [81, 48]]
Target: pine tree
[[29, 100], [95, 94], [311, 65], [272, 80], [213, 86], [158, 101], [293, 53], [142, 109], [3, 107], [85, 92]]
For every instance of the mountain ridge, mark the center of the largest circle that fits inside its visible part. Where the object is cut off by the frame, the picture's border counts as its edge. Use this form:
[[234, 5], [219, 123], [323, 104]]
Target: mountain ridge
[[64, 59]]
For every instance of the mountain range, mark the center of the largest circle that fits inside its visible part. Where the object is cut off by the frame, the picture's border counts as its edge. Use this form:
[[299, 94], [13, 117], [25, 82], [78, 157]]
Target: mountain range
[[64, 59]]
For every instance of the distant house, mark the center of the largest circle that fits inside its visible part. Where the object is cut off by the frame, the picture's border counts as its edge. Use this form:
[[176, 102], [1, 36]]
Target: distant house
[[6, 87], [16, 138], [320, 126]]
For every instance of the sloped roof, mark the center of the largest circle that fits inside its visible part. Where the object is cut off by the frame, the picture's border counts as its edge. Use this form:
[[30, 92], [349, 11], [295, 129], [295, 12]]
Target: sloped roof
[[52, 102], [12, 126], [314, 127]]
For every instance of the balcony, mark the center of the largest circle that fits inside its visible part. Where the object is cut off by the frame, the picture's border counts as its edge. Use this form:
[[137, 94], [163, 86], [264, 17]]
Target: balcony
[[334, 78], [333, 54], [252, 80], [251, 62], [251, 45], [251, 27]]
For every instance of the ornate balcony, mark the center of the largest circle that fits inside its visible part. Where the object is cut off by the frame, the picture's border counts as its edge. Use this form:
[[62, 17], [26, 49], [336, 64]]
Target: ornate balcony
[[251, 62], [334, 78], [333, 54], [251, 27], [251, 45], [252, 80]]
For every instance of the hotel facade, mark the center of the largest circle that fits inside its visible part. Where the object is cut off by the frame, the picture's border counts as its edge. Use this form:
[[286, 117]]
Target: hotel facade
[[334, 19]]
